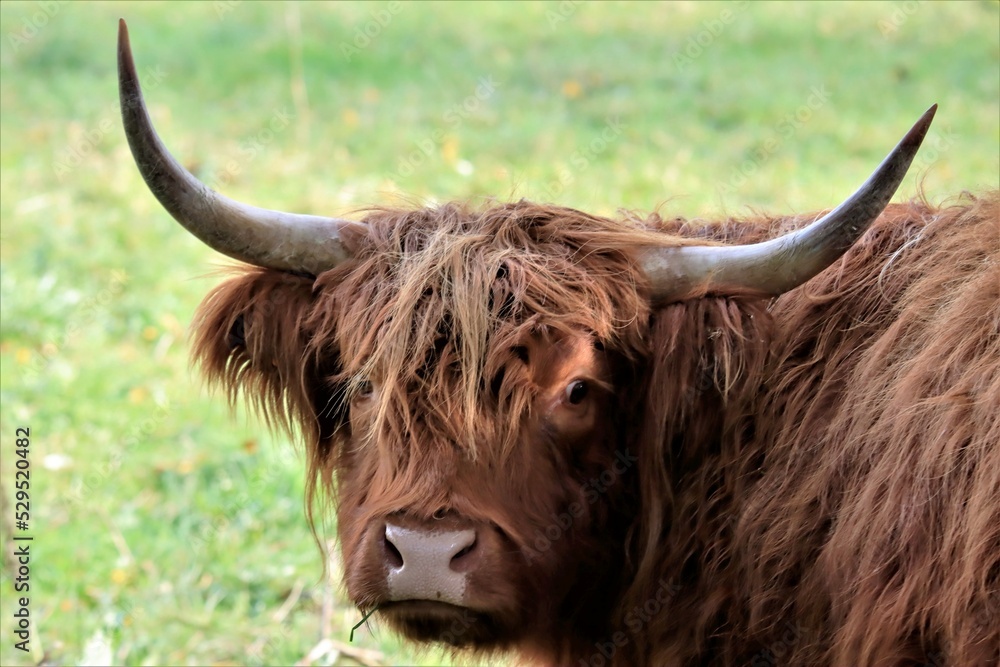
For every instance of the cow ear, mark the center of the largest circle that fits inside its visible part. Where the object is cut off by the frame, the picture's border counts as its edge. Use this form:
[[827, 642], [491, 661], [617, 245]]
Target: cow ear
[[237, 337], [250, 335]]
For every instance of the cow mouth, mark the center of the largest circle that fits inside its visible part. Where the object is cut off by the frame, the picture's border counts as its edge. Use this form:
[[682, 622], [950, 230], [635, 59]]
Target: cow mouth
[[433, 621]]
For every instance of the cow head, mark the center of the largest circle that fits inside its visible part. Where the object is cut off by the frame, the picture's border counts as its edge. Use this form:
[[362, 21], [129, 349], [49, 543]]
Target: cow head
[[459, 384], [479, 353], [467, 380]]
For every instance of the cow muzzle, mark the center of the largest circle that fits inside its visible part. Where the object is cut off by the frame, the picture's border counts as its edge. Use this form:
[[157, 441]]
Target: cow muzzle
[[428, 561], [446, 578]]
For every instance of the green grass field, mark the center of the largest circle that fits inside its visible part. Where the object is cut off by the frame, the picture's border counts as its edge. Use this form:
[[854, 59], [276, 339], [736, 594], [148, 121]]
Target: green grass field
[[166, 531]]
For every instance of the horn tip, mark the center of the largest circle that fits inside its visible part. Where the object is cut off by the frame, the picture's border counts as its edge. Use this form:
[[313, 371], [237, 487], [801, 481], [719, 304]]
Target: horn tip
[[124, 48], [919, 129], [128, 80], [929, 114]]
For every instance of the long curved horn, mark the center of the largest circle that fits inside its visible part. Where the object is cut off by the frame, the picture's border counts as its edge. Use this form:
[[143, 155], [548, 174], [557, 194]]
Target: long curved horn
[[258, 236], [776, 266]]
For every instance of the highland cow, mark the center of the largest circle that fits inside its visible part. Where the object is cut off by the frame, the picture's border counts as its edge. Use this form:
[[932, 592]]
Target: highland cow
[[588, 441]]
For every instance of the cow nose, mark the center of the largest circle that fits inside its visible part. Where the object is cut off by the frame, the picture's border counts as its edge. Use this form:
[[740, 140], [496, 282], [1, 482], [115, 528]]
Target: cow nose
[[427, 564]]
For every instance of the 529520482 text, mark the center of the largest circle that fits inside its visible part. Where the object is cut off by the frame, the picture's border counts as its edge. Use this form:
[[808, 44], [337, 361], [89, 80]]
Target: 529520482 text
[[22, 549]]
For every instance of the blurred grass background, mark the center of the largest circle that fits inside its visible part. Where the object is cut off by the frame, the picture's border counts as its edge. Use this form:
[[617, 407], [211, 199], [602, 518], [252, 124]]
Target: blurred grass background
[[168, 532]]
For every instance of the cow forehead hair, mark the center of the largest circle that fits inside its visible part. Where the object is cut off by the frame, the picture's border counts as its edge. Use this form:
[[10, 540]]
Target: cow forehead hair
[[436, 298]]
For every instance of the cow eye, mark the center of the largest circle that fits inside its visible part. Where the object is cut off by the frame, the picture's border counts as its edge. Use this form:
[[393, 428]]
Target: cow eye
[[576, 391], [364, 389]]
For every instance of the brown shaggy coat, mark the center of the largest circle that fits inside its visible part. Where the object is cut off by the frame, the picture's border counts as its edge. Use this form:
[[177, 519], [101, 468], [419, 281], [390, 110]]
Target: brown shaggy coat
[[846, 510], [818, 476]]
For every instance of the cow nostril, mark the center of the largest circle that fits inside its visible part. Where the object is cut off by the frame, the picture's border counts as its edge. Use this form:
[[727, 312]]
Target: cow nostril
[[462, 560], [392, 555]]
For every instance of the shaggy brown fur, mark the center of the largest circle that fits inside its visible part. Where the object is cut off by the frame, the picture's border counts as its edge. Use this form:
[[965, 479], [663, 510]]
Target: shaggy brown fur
[[818, 477], [846, 510]]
